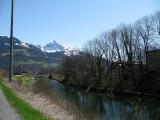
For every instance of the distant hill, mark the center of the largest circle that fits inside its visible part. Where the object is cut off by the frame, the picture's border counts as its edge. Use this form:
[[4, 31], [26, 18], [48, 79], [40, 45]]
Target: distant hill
[[22, 51], [26, 55]]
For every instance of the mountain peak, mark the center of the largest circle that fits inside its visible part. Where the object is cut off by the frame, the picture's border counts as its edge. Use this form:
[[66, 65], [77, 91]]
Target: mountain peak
[[54, 42], [53, 46]]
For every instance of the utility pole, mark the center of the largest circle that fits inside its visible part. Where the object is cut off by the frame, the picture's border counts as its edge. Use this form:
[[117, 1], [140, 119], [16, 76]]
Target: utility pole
[[11, 44]]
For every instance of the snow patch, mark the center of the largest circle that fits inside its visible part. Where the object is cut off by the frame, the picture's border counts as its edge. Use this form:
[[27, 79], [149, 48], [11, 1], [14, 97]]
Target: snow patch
[[24, 45], [17, 44], [71, 50], [7, 44]]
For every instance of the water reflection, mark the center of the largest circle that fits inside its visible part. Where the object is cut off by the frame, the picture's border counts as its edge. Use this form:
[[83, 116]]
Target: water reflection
[[108, 107]]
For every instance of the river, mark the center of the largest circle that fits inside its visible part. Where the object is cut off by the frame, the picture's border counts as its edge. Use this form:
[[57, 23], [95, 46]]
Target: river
[[107, 107]]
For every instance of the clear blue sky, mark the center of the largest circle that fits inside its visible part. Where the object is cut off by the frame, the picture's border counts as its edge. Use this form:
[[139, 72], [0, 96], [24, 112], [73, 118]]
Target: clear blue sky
[[69, 22]]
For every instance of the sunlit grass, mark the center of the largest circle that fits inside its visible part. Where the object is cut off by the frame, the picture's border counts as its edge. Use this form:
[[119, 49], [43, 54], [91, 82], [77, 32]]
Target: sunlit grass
[[30, 62], [22, 80], [54, 65]]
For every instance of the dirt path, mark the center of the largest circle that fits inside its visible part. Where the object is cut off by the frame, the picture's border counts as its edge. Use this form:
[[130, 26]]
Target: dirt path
[[6, 111]]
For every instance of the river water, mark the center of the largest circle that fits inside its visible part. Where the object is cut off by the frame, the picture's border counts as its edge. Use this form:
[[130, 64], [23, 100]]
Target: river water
[[107, 107]]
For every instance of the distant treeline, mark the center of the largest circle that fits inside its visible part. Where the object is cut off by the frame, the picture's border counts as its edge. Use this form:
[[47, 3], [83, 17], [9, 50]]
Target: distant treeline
[[115, 59]]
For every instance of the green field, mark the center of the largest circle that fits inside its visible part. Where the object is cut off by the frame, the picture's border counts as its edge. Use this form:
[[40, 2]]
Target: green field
[[30, 62]]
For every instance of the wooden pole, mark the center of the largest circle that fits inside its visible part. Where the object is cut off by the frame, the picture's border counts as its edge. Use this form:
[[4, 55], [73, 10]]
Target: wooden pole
[[11, 45]]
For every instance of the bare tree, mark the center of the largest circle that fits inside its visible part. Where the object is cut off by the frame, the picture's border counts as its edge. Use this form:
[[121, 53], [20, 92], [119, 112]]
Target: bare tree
[[111, 48], [156, 21], [106, 48], [116, 44], [89, 58], [94, 55], [127, 39], [118, 53], [145, 29]]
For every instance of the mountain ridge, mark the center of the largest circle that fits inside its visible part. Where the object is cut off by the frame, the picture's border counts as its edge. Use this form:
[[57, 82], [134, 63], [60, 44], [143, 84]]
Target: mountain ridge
[[25, 54], [54, 46], [33, 55]]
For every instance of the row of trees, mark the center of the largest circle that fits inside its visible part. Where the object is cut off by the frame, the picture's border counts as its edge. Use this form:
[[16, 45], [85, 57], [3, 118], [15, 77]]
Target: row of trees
[[116, 58]]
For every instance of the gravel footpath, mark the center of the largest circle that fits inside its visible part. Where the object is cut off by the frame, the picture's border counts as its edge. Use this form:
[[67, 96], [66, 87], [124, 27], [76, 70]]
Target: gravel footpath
[[6, 112]]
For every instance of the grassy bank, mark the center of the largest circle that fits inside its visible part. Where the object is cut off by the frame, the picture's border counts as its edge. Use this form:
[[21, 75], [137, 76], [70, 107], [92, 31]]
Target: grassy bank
[[22, 80], [24, 109]]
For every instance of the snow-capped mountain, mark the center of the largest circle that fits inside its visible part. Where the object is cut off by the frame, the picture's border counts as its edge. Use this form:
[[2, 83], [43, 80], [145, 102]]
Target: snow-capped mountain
[[70, 50], [53, 46]]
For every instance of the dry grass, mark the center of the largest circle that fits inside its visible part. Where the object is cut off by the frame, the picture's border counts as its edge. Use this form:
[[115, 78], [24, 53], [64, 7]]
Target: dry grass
[[42, 97], [40, 101]]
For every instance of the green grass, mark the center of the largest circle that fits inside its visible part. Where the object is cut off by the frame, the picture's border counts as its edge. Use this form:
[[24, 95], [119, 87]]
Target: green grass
[[54, 65], [26, 111], [58, 76], [30, 62], [22, 80]]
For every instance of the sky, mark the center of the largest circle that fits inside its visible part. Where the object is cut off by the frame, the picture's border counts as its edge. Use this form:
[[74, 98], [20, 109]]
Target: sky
[[69, 22]]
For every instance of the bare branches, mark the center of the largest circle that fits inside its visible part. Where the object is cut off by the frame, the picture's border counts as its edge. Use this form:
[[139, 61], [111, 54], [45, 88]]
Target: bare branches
[[156, 21], [118, 52]]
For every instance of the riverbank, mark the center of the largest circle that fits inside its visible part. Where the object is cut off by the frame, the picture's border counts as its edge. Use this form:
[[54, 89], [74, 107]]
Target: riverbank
[[76, 102], [40, 102], [113, 92], [107, 104]]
